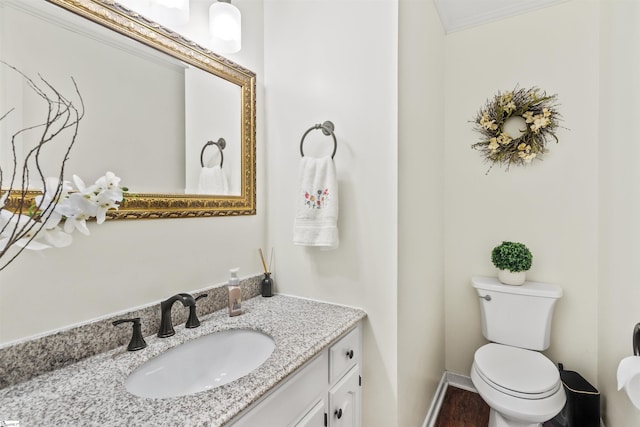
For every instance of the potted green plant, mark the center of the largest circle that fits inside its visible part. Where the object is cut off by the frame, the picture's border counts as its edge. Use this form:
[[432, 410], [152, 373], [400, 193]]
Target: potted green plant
[[512, 259]]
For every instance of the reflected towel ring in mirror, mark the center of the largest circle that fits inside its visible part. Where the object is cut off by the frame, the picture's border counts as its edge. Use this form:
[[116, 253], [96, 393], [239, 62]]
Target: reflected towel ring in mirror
[[220, 143], [327, 128]]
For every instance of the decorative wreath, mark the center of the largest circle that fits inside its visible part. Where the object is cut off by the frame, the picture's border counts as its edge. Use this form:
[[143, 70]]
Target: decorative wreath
[[540, 115]]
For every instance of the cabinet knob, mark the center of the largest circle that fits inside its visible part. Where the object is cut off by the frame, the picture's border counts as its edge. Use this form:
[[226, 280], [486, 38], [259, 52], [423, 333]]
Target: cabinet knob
[[338, 413], [350, 354]]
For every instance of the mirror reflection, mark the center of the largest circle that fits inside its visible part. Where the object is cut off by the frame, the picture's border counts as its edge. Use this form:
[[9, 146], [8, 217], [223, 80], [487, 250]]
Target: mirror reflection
[[211, 168], [148, 114]]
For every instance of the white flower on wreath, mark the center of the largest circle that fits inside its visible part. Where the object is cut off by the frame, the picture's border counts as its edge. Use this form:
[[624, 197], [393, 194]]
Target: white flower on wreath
[[528, 116], [506, 97], [524, 152], [527, 157], [504, 138], [510, 107], [507, 103], [539, 122], [488, 124]]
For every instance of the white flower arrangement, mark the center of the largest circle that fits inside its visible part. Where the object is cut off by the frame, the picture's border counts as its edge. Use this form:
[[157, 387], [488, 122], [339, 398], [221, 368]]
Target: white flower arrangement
[[48, 219], [58, 212], [537, 110]]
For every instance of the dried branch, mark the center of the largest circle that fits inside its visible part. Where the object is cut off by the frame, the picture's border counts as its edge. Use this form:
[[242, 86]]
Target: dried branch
[[62, 115]]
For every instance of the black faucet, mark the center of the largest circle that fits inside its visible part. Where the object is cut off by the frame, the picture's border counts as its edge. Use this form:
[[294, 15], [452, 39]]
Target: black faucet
[[137, 342], [166, 326]]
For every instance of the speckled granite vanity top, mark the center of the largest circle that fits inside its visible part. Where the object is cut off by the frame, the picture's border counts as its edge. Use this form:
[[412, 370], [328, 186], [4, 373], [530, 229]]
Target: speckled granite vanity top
[[92, 392]]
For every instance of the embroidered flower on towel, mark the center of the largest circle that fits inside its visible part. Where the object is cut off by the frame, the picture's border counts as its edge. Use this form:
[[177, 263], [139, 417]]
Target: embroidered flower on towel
[[316, 199]]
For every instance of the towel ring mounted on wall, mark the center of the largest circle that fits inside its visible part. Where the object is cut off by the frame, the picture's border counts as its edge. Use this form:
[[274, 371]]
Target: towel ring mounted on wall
[[220, 143], [327, 128], [636, 340]]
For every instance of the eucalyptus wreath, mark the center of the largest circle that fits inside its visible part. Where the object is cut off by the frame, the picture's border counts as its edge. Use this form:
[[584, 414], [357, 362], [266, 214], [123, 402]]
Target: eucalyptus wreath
[[542, 120]]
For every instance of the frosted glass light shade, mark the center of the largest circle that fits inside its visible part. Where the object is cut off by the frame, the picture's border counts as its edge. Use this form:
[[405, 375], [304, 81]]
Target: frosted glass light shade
[[170, 13], [225, 27]]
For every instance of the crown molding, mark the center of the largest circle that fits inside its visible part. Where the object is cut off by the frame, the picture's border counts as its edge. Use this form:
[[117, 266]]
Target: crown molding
[[457, 15]]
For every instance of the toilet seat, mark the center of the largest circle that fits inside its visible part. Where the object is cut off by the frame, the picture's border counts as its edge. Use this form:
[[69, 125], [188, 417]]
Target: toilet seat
[[514, 408], [517, 372]]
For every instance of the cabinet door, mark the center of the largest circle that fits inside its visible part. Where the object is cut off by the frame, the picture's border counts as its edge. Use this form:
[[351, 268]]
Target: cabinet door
[[314, 418], [344, 401], [289, 402]]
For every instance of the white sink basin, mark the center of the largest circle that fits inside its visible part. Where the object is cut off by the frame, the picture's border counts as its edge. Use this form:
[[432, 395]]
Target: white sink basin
[[201, 364]]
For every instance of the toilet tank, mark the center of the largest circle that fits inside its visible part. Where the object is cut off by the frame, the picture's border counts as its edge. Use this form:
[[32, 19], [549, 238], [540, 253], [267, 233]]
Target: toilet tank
[[518, 316]]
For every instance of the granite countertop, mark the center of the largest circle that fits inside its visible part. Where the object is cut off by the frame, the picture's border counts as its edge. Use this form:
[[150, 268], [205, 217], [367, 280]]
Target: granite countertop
[[92, 393]]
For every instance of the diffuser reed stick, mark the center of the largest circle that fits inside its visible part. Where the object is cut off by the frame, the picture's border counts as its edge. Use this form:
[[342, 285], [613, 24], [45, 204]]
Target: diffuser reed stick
[[264, 265]]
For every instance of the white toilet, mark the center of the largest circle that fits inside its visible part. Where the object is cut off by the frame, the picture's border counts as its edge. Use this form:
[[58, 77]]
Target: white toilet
[[521, 386]]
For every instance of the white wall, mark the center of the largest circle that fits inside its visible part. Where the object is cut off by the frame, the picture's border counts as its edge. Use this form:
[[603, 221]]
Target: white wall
[[129, 263], [552, 205], [420, 212], [619, 293], [337, 60]]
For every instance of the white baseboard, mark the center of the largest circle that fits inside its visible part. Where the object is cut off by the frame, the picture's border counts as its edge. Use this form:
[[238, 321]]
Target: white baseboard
[[460, 381], [456, 380]]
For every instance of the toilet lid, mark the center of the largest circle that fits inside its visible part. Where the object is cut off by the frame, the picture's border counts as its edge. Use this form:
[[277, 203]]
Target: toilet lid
[[518, 372]]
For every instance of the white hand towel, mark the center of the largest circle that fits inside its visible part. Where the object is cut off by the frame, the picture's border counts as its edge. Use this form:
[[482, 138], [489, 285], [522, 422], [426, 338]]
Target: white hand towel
[[213, 181], [316, 221]]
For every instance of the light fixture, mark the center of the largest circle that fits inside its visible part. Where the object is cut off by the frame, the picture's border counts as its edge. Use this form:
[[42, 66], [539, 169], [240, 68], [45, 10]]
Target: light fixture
[[170, 13], [225, 27]]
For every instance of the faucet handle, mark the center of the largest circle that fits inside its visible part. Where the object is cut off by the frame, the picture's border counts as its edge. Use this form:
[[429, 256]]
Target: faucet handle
[[137, 341], [193, 321]]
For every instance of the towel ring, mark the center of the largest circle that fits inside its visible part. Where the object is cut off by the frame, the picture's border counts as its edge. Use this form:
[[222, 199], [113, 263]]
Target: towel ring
[[327, 128], [636, 340], [220, 143]]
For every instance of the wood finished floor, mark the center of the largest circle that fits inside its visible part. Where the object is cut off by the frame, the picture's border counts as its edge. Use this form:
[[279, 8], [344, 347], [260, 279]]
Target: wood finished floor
[[462, 408]]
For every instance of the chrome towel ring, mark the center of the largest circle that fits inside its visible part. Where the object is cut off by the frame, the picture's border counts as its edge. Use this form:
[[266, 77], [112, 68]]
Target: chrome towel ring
[[220, 143], [327, 128]]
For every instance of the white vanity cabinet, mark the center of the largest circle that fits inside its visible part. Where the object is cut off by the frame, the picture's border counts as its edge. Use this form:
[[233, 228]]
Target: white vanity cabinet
[[324, 392]]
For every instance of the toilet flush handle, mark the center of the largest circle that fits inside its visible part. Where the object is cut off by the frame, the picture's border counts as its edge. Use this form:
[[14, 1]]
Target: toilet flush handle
[[486, 297]]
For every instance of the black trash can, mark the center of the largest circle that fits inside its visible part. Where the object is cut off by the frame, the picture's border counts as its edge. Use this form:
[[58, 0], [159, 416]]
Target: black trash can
[[583, 402]]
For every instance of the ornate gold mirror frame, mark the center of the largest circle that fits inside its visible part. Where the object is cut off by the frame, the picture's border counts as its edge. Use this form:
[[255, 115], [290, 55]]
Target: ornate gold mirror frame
[[141, 205]]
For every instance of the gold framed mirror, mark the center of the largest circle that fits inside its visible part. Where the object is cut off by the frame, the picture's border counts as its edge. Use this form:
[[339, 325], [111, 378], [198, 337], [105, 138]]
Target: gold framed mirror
[[156, 203]]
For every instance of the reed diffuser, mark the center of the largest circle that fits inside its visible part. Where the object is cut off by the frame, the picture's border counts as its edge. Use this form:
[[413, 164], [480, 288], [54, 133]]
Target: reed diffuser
[[266, 284]]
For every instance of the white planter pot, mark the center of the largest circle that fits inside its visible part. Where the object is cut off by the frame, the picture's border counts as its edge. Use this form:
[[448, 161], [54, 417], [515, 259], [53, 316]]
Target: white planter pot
[[510, 278]]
